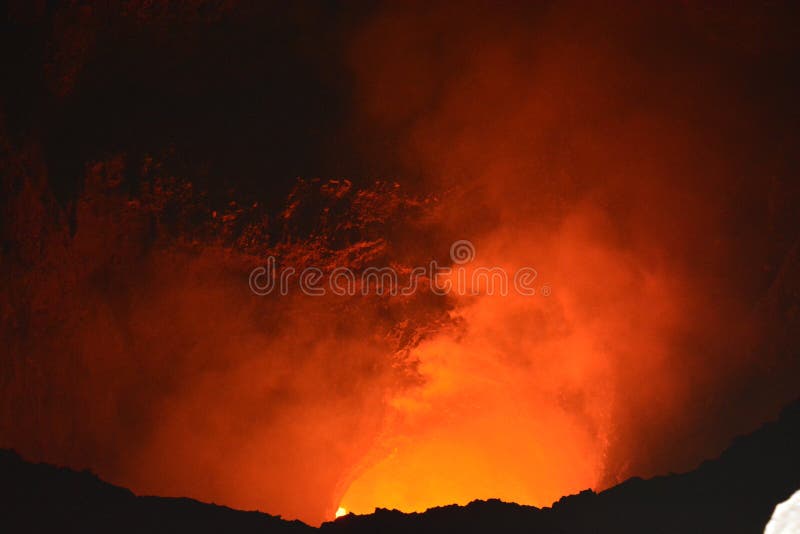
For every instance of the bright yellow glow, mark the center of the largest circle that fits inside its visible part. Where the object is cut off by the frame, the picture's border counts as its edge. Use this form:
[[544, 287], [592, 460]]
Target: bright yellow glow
[[340, 512]]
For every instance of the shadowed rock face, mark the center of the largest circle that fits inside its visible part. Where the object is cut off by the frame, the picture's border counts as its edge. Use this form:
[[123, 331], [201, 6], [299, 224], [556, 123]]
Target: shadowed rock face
[[735, 493], [44, 498]]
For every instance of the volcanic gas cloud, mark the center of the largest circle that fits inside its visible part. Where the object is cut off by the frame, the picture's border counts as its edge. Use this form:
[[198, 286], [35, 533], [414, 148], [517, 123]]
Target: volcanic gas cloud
[[618, 152]]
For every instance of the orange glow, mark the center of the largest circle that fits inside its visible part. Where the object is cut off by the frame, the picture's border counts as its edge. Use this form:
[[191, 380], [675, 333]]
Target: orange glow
[[556, 141]]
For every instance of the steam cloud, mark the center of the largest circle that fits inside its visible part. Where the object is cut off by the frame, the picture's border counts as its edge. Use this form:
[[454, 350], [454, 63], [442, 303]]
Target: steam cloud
[[620, 153]]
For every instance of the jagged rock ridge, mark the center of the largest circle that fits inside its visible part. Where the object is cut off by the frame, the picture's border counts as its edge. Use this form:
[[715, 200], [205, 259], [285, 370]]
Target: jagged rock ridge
[[733, 494]]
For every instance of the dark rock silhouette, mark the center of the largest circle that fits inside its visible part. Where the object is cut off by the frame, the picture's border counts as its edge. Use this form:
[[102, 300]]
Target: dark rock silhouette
[[44, 498], [733, 494]]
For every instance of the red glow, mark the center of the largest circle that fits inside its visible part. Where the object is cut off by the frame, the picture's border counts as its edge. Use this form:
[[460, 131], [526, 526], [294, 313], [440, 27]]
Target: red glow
[[564, 140]]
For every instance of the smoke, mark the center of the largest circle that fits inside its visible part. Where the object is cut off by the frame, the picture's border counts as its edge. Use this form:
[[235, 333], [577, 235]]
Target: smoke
[[619, 152], [608, 149], [136, 347]]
